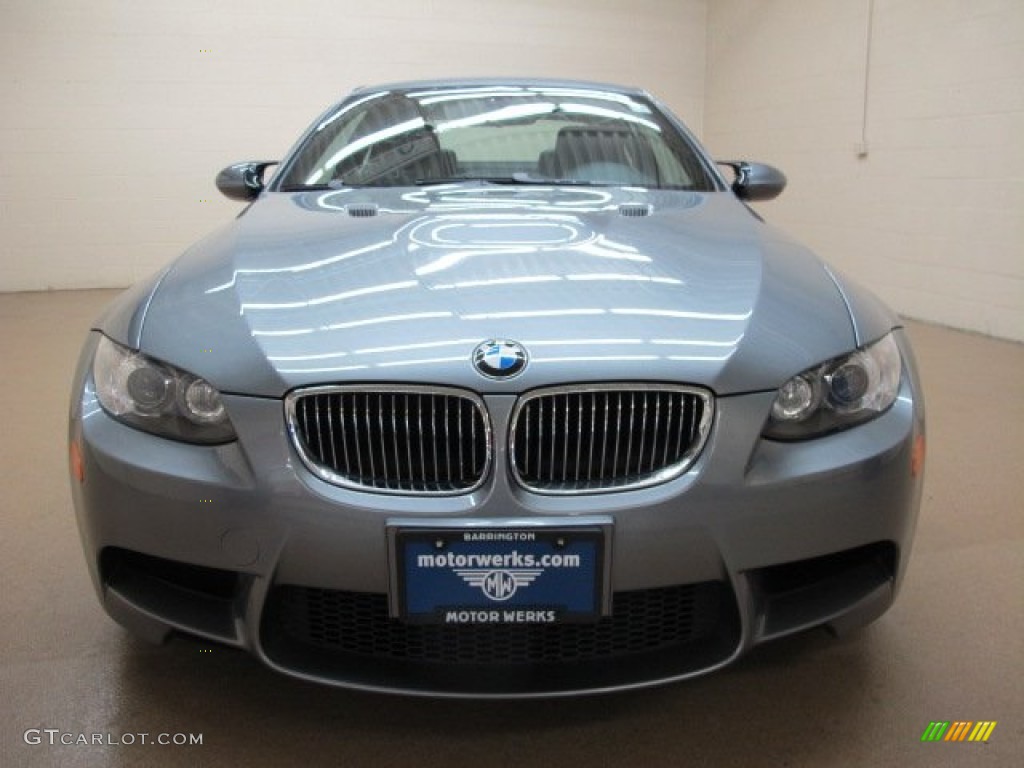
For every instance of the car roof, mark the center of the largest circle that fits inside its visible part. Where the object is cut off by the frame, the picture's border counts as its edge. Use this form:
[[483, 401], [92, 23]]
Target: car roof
[[525, 82]]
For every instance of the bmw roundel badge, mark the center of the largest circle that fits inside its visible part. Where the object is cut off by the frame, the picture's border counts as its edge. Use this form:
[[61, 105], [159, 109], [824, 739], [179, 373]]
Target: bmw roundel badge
[[499, 358]]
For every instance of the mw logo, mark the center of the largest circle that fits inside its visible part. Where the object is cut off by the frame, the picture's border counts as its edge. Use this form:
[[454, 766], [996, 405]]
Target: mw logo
[[499, 584]]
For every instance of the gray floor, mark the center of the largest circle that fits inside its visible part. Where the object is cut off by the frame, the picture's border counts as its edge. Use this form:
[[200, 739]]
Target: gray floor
[[951, 648]]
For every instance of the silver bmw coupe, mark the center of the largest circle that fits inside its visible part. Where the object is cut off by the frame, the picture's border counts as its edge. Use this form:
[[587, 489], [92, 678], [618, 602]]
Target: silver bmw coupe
[[496, 389]]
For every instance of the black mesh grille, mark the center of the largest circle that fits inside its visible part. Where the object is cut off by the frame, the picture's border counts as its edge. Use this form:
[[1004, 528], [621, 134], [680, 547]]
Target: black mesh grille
[[605, 438], [393, 440], [357, 623]]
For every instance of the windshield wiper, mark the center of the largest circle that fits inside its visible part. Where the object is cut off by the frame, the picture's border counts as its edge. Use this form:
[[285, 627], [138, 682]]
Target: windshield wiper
[[515, 178], [305, 188], [525, 178], [428, 180]]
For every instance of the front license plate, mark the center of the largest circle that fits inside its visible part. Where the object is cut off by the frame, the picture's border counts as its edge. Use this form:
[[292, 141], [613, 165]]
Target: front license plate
[[500, 576]]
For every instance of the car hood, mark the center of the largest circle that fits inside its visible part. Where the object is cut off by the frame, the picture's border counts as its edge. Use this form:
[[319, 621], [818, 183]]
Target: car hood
[[597, 284]]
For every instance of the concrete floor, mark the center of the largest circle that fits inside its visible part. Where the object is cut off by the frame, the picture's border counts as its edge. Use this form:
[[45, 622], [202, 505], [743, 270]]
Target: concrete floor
[[951, 648]]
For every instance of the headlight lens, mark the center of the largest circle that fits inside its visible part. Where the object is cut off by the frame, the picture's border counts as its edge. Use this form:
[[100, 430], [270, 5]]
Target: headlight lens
[[838, 394], [158, 398]]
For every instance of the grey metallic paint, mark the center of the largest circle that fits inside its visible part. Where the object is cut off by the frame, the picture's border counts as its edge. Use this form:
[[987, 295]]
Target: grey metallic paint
[[296, 292], [698, 291]]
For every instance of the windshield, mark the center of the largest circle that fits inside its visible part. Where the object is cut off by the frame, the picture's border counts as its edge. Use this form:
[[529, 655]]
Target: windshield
[[500, 134]]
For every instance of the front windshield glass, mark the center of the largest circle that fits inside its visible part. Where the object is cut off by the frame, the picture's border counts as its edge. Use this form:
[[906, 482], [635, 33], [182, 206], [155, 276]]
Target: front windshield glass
[[501, 134]]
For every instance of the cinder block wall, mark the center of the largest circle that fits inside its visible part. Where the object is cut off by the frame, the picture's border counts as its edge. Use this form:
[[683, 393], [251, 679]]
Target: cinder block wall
[[932, 216], [117, 115]]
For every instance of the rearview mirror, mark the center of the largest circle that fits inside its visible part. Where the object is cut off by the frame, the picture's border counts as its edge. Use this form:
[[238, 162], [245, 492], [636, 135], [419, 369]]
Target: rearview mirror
[[756, 181], [243, 181]]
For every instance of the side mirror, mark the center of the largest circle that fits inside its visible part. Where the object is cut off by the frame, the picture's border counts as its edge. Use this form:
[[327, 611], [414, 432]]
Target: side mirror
[[756, 181], [243, 181]]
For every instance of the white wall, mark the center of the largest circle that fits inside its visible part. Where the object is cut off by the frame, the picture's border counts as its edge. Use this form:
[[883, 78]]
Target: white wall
[[933, 216], [115, 115]]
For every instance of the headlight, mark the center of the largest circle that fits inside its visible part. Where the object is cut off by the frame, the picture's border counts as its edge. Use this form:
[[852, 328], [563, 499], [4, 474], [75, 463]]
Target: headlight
[[838, 394], [158, 398]]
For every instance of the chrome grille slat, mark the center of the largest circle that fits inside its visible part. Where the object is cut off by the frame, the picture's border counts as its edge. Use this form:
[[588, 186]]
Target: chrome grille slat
[[330, 434], [565, 441], [408, 443], [605, 433], [641, 434], [434, 431], [319, 432], [355, 431], [419, 435], [554, 446], [472, 435], [371, 442], [347, 463], [404, 439], [618, 431], [607, 437], [692, 431], [629, 434], [394, 432], [381, 433], [579, 437], [526, 457], [540, 433], [593, 439], [462, 465], [447, 445], [654, 445], [668, 430], [679, 439]]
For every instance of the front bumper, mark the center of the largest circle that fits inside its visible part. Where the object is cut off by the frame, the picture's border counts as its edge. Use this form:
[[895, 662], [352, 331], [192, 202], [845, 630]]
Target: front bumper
[[240, 543]]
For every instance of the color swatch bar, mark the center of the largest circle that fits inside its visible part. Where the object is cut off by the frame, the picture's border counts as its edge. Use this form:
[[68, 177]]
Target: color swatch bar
[[958, 730]]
